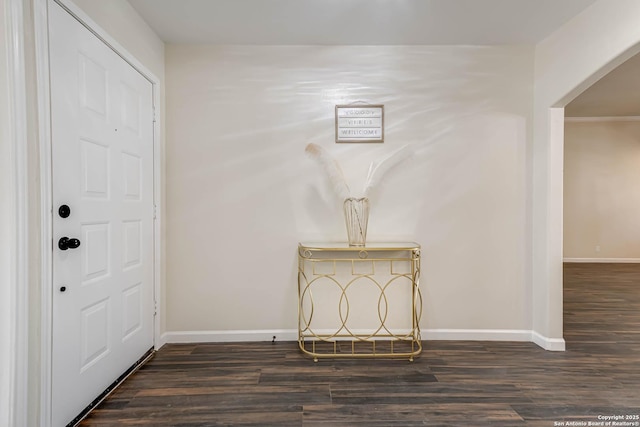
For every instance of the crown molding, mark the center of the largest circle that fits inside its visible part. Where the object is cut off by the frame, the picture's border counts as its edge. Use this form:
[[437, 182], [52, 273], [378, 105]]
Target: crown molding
[[602, 119]]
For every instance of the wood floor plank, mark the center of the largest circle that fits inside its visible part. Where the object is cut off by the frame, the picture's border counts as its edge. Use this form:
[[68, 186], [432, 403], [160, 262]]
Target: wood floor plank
[[411, 415], [452, 383]]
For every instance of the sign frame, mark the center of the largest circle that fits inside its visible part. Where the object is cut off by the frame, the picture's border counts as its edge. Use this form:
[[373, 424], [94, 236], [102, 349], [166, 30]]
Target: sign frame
[[357, 123]]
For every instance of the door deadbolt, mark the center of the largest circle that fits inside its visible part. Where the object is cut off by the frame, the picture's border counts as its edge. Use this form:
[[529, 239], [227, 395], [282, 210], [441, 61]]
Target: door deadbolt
[[64, 211], [66, 243]]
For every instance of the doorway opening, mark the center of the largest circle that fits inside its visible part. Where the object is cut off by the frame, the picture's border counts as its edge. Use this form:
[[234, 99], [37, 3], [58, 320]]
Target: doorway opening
[[601, 210]]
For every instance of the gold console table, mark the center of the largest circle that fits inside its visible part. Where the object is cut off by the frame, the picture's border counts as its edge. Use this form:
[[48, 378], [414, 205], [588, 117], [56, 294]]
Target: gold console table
[[359, 301]]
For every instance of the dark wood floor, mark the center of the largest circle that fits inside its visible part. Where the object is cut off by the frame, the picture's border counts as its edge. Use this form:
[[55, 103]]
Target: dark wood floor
[[450, 384]]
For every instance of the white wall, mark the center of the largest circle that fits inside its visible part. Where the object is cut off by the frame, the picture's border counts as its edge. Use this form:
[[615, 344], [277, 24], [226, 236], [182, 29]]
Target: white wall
[[241, 193], [566, 63], [602, 190]]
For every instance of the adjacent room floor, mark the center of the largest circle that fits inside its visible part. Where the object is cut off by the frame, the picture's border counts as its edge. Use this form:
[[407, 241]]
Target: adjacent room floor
[[451, 384]]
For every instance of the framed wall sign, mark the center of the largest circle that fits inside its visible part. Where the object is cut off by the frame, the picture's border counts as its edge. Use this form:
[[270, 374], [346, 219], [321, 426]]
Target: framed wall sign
[[359, 123]]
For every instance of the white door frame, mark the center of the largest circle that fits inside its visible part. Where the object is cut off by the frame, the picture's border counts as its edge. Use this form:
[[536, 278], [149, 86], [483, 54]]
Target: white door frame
[[41, 25], [14, 328]]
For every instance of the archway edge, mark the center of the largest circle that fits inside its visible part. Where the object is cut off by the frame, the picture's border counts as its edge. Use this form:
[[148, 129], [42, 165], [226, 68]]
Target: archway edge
[[566, 63]]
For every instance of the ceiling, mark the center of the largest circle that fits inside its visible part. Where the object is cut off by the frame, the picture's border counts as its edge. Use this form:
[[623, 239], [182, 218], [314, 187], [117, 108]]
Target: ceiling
[[390, 22], [357, 22]]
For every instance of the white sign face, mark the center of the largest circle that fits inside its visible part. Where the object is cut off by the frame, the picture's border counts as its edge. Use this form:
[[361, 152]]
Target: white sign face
[[359, 124]]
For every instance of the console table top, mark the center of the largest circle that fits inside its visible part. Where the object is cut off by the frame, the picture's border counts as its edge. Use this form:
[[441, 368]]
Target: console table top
[[369, 246]]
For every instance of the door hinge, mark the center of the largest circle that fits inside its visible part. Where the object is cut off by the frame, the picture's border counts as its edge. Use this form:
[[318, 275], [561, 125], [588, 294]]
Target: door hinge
[[155, 211], [154, 114]]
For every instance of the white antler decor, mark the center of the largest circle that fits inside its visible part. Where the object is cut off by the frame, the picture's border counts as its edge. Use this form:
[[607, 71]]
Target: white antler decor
[[377, 171], [332, 169], [356, 210]]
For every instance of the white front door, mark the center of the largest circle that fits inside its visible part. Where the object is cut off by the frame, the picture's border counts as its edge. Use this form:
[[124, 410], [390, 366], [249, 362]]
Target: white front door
[[102, 162]]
